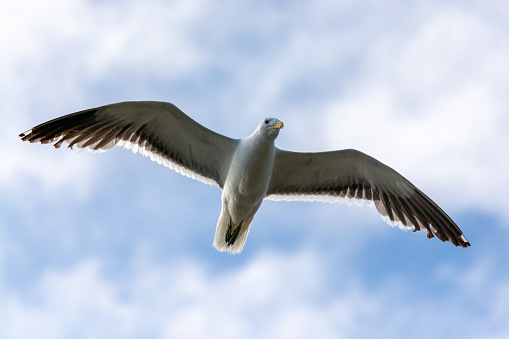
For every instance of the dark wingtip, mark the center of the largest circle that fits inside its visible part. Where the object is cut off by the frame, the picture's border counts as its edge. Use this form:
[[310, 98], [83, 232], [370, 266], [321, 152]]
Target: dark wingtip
[[461, 241], [464, 244], [25, 135]]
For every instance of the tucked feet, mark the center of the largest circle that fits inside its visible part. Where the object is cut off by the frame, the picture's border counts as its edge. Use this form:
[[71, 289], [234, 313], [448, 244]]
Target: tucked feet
[[231, 237]]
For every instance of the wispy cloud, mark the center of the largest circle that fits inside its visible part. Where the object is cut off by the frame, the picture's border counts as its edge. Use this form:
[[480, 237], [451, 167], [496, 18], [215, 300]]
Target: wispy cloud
[[268, 297], [111, 245]]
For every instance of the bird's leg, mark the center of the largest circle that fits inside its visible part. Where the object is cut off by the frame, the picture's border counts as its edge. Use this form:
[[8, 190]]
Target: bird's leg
[[231, 237]]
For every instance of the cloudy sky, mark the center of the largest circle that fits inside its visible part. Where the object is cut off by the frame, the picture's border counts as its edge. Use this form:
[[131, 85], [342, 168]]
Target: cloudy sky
[[113, 245]]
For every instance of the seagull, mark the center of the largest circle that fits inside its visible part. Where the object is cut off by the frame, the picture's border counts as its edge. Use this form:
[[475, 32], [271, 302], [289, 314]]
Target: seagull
[[249, 170]]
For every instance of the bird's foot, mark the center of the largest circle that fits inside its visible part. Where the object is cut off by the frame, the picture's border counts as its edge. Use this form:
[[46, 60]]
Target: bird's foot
[[231, 237]]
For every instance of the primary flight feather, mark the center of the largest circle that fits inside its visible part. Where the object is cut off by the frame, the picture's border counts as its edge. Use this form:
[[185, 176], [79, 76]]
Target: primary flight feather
[[250, 169]]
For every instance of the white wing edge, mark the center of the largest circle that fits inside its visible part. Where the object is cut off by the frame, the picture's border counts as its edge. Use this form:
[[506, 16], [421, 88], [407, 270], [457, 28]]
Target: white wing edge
[[135, 148], [361, 202]]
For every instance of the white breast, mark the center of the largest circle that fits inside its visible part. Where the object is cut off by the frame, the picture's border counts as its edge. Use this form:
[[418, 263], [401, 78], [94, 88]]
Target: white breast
[[248, 177]]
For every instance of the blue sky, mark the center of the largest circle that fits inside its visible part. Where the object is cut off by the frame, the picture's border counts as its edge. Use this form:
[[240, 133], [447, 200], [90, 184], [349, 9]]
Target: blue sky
[[113, 245]]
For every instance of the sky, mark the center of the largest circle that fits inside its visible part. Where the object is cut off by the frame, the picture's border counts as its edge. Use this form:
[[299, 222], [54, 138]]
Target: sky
[[113, 245]]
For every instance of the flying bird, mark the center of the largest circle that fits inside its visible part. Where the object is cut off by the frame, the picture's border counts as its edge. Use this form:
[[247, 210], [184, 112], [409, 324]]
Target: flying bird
[[249, 170]]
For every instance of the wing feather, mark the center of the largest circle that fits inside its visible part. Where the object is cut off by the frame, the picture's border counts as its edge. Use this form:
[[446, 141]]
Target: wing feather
[[352, 177], [158, 130]]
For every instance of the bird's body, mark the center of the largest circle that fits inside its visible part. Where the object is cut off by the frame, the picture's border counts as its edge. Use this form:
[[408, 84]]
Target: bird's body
[[251, 169], [246, 184]]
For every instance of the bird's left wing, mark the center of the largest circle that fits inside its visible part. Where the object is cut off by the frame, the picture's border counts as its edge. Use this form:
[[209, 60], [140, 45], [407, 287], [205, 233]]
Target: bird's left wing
[[158, 130], [350, 176]]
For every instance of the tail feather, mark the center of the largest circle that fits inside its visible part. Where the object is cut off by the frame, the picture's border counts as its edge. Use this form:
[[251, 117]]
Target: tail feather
[[220, 238]]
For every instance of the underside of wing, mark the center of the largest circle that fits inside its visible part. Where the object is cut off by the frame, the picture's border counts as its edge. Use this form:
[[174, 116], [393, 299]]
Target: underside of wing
[[158, 130], [352, 177]]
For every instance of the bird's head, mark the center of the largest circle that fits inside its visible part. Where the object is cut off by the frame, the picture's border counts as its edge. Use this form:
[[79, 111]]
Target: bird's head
[[270, 127]]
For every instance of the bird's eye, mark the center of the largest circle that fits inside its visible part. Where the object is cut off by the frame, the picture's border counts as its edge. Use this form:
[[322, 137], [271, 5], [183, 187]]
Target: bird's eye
[[266, 121]]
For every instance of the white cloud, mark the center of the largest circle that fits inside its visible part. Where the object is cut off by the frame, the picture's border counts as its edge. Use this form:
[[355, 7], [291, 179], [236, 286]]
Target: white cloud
[[396, 73], [101, 36], [53, 50], [272, 296], [48, 173], [432, 107], [62, 305]]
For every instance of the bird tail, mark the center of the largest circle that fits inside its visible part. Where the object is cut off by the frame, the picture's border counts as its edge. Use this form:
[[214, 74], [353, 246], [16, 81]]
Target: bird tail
[[230, 238]]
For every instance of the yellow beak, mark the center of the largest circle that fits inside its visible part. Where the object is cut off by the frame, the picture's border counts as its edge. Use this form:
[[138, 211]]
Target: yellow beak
[[278, 125]]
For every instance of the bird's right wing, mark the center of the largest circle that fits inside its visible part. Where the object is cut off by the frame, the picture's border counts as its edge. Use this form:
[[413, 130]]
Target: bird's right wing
[[158, 130], [354, 177]]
